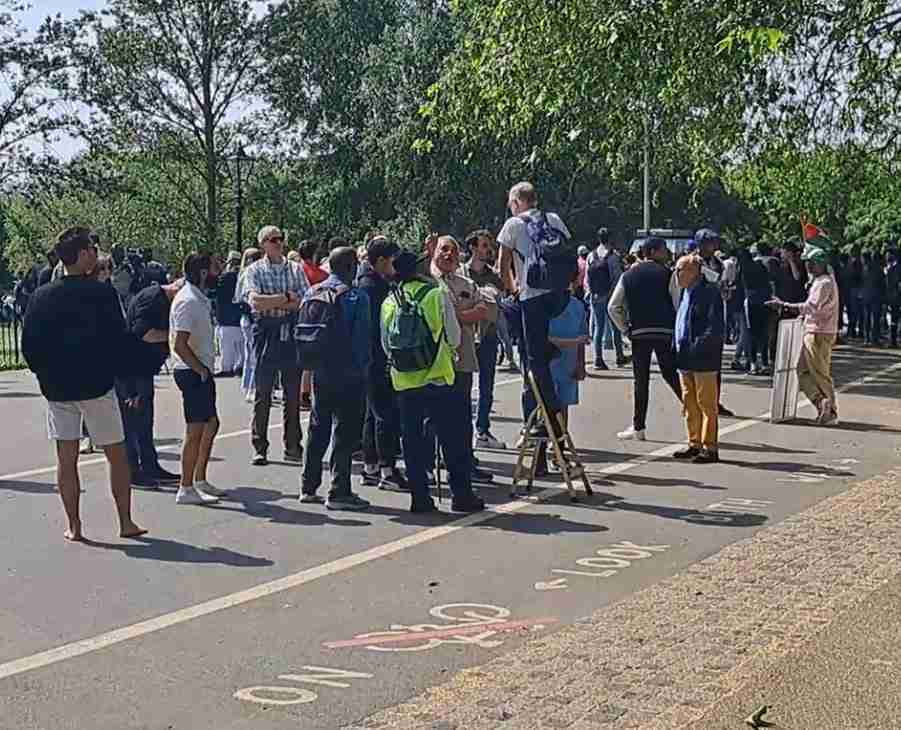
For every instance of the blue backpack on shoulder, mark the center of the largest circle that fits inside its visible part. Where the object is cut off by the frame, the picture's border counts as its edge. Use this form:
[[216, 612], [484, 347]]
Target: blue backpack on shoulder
[[552, 263]]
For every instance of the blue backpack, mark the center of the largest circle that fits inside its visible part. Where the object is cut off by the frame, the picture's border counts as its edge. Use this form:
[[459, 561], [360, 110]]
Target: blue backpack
[[552, 263]]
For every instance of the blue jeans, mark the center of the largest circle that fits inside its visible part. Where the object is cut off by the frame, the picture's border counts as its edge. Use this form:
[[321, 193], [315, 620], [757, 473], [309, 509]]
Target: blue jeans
[[600, 321], [441, 405], [487, 354]]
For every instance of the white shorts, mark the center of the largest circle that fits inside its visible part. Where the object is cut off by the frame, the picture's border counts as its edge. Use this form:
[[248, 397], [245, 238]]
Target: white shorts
[[101, 416]]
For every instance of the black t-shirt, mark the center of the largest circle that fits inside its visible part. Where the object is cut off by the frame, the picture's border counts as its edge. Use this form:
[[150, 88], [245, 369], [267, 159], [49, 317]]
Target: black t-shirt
[[70, 339], [149, 310]]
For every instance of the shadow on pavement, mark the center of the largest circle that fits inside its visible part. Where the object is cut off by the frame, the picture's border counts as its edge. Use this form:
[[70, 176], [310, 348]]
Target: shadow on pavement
[[27, 487], [694, 516], [789, 468], [762, 448], [20, 395], [257, 502], [644, 481], [153, 548]]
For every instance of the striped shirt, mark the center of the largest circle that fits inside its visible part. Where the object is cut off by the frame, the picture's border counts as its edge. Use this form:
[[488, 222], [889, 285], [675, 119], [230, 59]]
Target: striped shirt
[[264, 277]]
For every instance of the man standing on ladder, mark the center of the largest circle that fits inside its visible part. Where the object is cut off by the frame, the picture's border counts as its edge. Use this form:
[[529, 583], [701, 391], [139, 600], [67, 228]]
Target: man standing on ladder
[[539, 306]]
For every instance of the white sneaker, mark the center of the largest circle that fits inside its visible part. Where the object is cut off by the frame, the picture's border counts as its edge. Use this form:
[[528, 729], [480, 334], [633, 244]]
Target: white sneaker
[[630, 434], [488, 441], [250, 397], [190, 495], [87, 446], [208, 488]]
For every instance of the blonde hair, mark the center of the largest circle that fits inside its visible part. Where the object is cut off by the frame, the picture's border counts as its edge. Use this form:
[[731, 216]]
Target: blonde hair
[[250, 255]]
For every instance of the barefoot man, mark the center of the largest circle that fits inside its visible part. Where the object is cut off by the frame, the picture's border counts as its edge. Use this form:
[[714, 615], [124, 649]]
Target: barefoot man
[[73, 339]]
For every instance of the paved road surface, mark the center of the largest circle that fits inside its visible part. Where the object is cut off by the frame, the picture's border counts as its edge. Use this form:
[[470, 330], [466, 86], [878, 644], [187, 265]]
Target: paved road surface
[[165, 632]]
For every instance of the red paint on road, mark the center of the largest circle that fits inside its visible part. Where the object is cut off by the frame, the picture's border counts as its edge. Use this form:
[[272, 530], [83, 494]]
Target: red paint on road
[[448, 633]]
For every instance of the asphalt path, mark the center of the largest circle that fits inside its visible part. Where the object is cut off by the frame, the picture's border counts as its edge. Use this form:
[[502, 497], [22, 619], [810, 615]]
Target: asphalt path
[[265, 613]]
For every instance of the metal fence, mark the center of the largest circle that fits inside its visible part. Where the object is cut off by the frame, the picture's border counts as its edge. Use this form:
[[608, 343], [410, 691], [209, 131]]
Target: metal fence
[[10, 343]]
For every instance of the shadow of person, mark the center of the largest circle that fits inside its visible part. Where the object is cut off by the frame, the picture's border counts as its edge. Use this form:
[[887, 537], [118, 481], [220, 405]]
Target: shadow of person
[[27, 487], [256, 502], [172, 551]]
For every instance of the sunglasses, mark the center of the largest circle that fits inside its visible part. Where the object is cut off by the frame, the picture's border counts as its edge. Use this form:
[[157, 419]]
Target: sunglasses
[[276, 239]]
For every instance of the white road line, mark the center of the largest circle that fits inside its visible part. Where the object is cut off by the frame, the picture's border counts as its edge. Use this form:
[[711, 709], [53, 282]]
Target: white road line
[[243, 432], [142, 628]]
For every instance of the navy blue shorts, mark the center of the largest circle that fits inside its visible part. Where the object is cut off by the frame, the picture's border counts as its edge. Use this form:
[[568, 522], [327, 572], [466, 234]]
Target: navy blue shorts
[[198, 397]]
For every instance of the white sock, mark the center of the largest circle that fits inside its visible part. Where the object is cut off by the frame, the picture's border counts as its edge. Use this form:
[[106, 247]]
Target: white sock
[[387, 471]]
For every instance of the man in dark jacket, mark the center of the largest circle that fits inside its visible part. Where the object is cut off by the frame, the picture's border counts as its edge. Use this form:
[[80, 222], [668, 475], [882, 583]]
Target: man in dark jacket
[[873, 298], [339, 379], [148, 319], [74, 339], [381, 429], [698, 343], [642, 307]]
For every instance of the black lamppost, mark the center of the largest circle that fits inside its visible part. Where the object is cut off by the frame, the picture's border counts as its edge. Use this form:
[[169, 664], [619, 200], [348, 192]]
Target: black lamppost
[[240, 161]]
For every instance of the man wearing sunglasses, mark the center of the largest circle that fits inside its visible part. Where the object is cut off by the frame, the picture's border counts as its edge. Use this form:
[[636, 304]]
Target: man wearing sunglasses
[[275, 288]]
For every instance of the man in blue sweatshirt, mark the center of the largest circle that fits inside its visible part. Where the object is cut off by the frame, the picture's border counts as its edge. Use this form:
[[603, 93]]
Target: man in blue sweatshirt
[[698, 343]]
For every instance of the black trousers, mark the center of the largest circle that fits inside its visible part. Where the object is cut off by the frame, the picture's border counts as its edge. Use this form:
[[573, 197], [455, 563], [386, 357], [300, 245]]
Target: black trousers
[[537, 314], [336, 419], [758, 325], [642, 349], [895, 310], [381, 427]]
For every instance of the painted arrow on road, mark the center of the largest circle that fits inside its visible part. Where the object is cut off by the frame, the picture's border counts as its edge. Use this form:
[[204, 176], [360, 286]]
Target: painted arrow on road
[[551, 585]]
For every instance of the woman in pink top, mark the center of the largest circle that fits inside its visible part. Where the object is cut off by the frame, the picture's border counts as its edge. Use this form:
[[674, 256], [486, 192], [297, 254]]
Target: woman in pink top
[[820, 313]]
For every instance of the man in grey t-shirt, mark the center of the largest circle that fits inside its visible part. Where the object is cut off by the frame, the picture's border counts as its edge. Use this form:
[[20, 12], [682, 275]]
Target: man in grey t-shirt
[[539, 306]]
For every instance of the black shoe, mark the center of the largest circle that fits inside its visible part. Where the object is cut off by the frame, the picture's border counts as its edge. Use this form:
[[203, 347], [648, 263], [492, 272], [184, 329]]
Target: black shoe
[[470, 504], [481, 476], [423, 507], [725, 412], [624, 360], [690, 453], [161, 475], [142, 481], [348, 502], [259, 460], [538, 432], [371, 478], [295, 457], [395, 482], [707, 456]]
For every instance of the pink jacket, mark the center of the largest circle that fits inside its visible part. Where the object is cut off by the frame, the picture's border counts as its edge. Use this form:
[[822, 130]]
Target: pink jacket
[[821, 308]]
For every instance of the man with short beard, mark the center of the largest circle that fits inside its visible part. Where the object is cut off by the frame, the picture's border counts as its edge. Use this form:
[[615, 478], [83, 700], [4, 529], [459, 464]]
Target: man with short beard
[[74, 339]]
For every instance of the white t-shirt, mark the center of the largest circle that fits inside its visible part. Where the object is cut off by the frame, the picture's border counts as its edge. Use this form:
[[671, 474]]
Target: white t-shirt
[[191, 312], [515, 235]]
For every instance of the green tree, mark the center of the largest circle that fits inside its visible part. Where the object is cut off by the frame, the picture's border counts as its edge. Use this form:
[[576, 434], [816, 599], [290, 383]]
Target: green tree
[[177, 76]]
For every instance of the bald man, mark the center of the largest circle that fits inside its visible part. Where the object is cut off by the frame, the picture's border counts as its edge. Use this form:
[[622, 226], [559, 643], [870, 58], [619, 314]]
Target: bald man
[[698, 343]]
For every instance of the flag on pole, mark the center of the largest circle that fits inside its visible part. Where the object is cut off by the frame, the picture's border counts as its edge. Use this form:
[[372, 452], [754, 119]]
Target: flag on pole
[[814, 235]]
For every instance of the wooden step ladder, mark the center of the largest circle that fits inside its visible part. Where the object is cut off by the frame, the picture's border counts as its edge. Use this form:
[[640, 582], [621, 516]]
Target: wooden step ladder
[[564, 450]]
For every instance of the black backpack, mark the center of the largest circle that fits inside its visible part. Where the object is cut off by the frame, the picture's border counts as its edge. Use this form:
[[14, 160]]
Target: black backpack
[[599, 279], [321, 336], [552, 263], [411, 344]]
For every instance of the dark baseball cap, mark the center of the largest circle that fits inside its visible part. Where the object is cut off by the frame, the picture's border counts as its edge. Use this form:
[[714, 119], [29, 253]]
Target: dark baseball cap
[[705, 235], [380, 247]]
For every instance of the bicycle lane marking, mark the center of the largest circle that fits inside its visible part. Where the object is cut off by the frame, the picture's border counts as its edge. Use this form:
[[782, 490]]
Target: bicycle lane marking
[[142, 628]]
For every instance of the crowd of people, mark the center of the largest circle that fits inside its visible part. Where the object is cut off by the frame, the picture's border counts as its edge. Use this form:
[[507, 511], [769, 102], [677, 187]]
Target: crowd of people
[[385, 346]]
